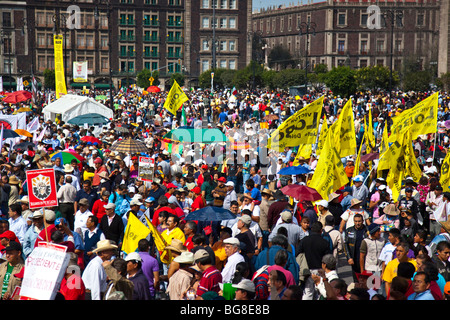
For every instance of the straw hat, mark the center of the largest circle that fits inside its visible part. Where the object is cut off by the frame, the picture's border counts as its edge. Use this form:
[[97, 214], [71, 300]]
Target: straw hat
[[68, 168], [103, 245], [354, 202], [185, 257], [391, 210], [13, 180], [177, 246]]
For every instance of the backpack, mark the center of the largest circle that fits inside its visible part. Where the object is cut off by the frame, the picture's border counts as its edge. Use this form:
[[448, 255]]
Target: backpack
[[326, 236]]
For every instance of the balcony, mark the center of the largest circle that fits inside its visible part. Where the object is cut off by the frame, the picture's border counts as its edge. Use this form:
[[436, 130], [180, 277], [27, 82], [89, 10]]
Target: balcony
[[150, 23], [127, 54], [151, 54], [175, 24], [174, 55], [175, 39], [126, 22], [152, 39], [127, 38]]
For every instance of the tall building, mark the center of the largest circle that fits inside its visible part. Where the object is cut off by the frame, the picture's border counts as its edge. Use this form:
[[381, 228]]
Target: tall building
[[348, 32], [119, 38]]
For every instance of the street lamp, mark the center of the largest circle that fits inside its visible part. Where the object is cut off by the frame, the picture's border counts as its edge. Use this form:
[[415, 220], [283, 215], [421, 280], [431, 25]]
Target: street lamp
[[307, 28], [393, 15]]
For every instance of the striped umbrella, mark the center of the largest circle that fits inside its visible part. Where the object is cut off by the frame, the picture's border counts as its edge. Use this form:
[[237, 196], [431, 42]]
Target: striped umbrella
[[67, 156], [129, 146]]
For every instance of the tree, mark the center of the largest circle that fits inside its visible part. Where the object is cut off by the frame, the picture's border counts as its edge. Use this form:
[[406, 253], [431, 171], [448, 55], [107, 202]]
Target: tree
[[178, 77], [341, 80], [443, 82], [142, 78], [375, 78], [414, 77], [289, 77], [280, 57], [204, 80], [49, 78]]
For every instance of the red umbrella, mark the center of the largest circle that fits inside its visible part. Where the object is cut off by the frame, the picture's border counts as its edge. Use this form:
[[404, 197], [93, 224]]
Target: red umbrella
[[300, 192], [91, 139], [153, 89], [17, 96]]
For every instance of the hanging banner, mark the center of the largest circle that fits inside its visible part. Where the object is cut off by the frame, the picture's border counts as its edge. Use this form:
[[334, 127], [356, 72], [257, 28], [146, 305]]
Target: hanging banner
[[445, 172], [300, 128], [343, 131], [42, 188], [80, 71], [146, 169], [175, 98], [60, 79]]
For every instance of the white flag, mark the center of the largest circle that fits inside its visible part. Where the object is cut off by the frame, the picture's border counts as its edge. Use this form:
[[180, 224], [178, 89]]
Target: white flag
[[41, 135], [19, 84], [33, 125]]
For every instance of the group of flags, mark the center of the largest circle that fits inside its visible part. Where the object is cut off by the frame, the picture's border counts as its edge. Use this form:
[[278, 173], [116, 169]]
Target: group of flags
[[396, 154]]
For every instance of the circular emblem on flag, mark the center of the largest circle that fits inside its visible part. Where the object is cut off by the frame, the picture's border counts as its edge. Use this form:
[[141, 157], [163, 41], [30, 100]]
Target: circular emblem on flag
[[5, 124], [41, 187]]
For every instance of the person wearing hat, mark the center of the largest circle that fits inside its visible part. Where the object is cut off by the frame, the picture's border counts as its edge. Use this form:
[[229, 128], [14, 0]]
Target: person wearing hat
[[348, 216], [370, 250], [26, 212], [266, 196], [37, 220], [99, 167], [360, 190], [232, 250], [409, 203], [135, 274], [211, 276], [388, 219], [14, 183], [13, 265], [275, 209], [181, 279], [246, 236], [230, 196], [294, 231], [434, 201], [112, 224], [245, 290], [94, 275], [379, 196], [322, 207], [82, 215]]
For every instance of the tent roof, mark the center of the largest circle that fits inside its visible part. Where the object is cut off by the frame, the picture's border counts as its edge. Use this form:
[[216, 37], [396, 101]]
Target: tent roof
[[71, 106]]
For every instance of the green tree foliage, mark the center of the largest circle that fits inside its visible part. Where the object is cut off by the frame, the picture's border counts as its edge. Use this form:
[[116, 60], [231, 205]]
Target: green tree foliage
[[280, 57], [143, 76], [375, 78], [49, 78], [341, 81], [178, 77]]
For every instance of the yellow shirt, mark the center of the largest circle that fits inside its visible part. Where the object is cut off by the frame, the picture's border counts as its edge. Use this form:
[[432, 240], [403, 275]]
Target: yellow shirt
[[176, 233], [390, 272]]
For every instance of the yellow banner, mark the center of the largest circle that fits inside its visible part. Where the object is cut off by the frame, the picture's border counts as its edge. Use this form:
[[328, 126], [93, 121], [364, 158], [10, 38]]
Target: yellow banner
[[344, 131], [329, 174], [300, 128], [383, 163], [134, 232], [421, 119], [60, 79], [358, 160], [368, 132], [165, 255], [303, 151], [175, 98], [322, 136], [445, 173]]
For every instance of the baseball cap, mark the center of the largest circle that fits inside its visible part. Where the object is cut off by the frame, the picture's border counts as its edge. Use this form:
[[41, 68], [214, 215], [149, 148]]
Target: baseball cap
[[150, 199], [110, 205], [232, 240], [222, 179], [245, 218], [358, 178], [323, 203], [60, 221], [201, 253], [230, 184], [9, 235], [13, 245], [245, 284]]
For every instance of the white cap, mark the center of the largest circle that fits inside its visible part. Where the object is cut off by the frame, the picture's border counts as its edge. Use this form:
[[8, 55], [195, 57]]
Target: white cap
[[323, 203], [133, 256]]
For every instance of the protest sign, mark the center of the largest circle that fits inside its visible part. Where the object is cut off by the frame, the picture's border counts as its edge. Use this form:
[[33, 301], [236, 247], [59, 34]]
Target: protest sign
[[42, 188], [146, 169]]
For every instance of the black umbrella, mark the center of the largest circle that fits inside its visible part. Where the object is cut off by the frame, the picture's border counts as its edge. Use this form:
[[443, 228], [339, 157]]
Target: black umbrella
[[23, 145]]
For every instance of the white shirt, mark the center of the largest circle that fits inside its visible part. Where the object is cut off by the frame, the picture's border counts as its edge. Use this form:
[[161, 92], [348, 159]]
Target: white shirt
[[94, 278], [19, 226], [80, 220], [230, 267]]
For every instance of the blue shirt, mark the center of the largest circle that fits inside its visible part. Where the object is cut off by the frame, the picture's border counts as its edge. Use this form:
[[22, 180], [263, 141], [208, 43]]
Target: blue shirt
[[426, 295]]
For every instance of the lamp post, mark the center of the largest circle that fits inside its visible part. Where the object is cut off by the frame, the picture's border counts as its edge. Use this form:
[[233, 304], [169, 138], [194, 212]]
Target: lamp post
[[307, 28], [393, 15]]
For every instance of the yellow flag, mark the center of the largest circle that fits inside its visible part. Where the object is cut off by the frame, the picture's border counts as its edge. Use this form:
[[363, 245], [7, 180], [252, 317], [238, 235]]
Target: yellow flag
[[60, 79], [175, 98], [329, 174], [399, 156], [368, 132], [300, 128], [420, 119], [344, 131], [134, 232], [358, 160], [322, 136], [303, 151], [160, 243], [383, 162], [445, 172]]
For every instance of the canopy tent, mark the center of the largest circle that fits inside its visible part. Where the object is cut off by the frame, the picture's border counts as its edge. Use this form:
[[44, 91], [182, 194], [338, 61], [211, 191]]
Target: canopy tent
[[70, 106]]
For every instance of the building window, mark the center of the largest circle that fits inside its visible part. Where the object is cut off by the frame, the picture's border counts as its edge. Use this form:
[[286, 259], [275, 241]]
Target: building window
[[232, 4], [223, 45], [420, 19], [380, 46], [205, 45], [232, 45], [341, 46], [341, 19], [364, 20], [223, 23], [6, 22], [232, 23], [364, 47], [205, 23], [232, 64], [205, 4], [223, 64], [223, 4], [205, 65], [363, 63]]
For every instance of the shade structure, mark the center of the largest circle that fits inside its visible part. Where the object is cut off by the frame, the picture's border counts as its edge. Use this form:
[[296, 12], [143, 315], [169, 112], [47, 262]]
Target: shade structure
[[17, 96], [301, 192], [369, 156], [23, 109], [67, 156], [210, 213], [23, 132], [91, 139], [122, 129], [7, 133], [90, 119], [294, 170], [153, 89], [129, 146], [191, 135]]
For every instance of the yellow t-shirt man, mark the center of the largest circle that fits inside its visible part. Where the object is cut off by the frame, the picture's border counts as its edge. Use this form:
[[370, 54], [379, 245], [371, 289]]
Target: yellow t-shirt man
[[390, 272]]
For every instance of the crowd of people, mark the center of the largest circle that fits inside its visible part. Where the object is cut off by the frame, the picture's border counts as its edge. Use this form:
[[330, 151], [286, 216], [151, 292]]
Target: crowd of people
[[275, 248]]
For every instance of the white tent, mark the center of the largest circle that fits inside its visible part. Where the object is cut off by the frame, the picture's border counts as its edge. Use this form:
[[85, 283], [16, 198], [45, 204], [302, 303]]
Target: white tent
[[70, 106]]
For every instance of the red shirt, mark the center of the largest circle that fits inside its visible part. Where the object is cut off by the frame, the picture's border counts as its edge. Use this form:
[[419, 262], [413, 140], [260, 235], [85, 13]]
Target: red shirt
[[189, 244], [98, 209], [197, 203], [210, 281], [77, 289], [155, 221]]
